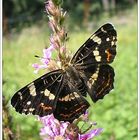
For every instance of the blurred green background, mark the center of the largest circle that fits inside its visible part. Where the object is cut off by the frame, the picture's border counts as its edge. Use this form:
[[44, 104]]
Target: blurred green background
[[26, 33]]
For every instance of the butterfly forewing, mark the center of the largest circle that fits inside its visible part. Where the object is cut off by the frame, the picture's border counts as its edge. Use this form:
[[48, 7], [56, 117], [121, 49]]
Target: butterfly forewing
[[99, 48], [40, 96]]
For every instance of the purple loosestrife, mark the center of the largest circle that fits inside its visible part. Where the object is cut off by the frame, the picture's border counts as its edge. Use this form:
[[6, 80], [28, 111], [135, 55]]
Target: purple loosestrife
[[52, 129], [57, 40]]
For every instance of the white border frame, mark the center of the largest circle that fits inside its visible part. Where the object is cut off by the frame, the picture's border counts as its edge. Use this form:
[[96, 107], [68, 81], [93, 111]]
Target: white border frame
[[138, 6], [1, 69]]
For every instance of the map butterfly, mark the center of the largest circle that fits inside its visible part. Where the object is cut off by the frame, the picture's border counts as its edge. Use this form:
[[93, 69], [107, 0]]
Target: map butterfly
[[63, 91]]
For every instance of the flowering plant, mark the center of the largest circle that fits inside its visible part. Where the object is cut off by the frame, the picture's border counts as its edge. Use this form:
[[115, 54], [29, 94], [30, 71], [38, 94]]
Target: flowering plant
[[52, 128]]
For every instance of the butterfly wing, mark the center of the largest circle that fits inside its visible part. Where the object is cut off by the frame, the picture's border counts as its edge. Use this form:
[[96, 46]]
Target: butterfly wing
[[99, 48], [40, 96], [70, 104], [92, 59], [99, 80]]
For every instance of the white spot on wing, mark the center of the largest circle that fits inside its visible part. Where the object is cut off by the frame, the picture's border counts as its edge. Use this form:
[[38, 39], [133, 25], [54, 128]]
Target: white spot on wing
[[46, 92], [93, 78], [96, 39], [102, 29], [96, 53], [31, 109], [25, 110], [113, 43], [66, 98], [51, 97], [96, 48], [20, 95], [29, 102], [70, 97], [32, 89], [98, 58], [114, 38], [107, 39], [49, 94]]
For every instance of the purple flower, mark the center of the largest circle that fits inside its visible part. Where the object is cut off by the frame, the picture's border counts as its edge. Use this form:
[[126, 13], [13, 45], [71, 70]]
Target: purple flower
[[52, 128], [47, 53], [55, 130], [38, 67]]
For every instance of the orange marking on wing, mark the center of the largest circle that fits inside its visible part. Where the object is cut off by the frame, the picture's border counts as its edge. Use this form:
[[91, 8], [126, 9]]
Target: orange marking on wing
[[73, 112], [46, 107], [106, 85], [108, 55]]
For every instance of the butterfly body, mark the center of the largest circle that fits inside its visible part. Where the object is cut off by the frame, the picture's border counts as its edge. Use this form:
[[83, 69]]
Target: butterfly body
[[62, 91]]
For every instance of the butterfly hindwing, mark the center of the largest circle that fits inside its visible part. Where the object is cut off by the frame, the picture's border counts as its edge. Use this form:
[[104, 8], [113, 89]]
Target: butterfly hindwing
[[40, 96], [70, 104], [99, 80], [99, 48]]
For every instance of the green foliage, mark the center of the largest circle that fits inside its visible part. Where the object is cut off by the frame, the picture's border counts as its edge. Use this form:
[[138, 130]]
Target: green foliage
[[116, 114]]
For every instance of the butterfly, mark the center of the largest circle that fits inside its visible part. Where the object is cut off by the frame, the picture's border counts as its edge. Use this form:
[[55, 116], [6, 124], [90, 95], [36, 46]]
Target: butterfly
[[63, 91]]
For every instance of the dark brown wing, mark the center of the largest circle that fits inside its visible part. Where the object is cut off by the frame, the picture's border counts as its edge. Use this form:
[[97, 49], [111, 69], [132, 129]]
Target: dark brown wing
[[40, 96], [70, 104], [99, 80], [99, 48]]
